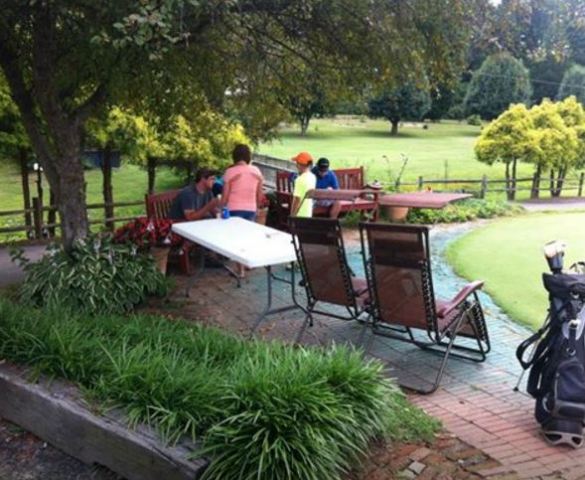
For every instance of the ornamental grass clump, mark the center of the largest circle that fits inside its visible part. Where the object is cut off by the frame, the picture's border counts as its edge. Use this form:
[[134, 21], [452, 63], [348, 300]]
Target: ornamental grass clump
[[95, 276], [257, 410]]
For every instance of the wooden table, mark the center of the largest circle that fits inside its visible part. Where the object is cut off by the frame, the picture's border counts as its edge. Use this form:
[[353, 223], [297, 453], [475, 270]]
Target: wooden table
[[398, 204]]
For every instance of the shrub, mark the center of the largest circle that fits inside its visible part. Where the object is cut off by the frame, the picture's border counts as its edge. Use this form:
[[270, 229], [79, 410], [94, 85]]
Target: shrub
[[260, 410], [96, 276], [474, 120], [464, 211]]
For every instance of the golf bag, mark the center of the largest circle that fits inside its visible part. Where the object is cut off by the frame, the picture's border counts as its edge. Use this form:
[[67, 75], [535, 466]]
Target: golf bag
[[557, 365]]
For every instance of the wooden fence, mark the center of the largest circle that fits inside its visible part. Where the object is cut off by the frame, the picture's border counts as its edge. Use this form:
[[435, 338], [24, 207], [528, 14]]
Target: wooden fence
[[484, 185], [41, 228], [480, 187]]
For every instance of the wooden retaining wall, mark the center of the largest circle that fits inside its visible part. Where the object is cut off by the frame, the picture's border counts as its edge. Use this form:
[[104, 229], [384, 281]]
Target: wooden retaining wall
[[55, 412]]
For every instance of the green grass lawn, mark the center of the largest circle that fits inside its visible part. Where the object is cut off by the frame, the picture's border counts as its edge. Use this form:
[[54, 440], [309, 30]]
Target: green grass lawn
[[445, 146], [443, 150], [507, 254]]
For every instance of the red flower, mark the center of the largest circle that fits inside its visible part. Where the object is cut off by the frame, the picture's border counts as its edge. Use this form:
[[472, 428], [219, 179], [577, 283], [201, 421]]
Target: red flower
[[145, 232]]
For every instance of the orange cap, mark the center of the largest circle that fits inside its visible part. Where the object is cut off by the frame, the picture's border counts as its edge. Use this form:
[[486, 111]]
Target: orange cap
[[303, 158]]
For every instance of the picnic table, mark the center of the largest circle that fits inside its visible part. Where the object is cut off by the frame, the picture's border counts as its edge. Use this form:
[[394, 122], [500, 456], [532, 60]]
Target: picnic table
[[398, 204]]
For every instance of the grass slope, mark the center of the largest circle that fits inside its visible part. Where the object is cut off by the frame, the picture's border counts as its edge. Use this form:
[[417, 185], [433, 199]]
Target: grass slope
[[507, 254], [353, 141]]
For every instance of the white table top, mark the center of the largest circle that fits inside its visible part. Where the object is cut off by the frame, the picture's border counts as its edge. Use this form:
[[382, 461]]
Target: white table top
[[249, 243]]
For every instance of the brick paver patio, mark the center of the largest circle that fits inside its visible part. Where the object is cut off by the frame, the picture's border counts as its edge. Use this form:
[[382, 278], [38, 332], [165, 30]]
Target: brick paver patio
[[476, 402]]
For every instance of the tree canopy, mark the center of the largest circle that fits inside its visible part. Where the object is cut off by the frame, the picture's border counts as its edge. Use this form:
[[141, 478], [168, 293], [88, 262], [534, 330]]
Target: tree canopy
[[407, 102], [573, 84], [62, 60], [500, 81]]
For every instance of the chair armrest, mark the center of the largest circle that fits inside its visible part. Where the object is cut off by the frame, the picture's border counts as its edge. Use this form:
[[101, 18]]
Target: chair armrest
[[459, 298]]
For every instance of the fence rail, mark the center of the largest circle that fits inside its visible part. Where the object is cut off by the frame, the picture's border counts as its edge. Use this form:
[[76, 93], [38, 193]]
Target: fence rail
[[480, 186], [40, 228]]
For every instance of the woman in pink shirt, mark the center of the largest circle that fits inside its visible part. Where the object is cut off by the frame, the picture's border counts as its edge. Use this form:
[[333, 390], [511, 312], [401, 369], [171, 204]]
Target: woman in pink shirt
[[243, 183], [242, 191]]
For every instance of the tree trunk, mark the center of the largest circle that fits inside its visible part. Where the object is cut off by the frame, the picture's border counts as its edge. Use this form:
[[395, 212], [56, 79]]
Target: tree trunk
[[394, 129], [151, 169], [52, 214], [512, 191], [304, 121], [535, 190], [23, 157], [107, 186], [552, 182], [557, 181], [70, 193], [52, 127], [508, 180]]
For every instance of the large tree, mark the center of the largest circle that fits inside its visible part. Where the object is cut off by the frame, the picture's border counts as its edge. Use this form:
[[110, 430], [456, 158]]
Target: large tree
[[63, 58], [573, 84], [407, 102], [500, 81]]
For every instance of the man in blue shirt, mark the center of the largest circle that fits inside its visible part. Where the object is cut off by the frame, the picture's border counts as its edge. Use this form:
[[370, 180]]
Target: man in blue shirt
[[326, 180]]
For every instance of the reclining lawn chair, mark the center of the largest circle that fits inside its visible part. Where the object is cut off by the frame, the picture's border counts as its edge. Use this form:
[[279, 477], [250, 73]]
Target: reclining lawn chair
[[398, 270], [326, 276]]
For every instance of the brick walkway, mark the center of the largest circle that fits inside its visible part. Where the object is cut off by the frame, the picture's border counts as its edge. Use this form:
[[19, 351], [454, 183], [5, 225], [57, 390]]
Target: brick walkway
[[476, 402]]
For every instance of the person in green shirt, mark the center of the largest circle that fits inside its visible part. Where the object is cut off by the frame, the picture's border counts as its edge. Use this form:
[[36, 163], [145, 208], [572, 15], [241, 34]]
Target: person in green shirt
[[301, 205]]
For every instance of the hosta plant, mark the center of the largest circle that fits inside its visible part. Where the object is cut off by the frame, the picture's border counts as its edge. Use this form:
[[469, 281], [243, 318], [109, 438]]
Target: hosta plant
[[96, 276]]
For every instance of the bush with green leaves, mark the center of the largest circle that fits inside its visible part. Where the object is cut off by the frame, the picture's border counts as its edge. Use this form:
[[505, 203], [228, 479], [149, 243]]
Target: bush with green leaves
[[260, 410], [474, 120], [463, 211], [96, 276]]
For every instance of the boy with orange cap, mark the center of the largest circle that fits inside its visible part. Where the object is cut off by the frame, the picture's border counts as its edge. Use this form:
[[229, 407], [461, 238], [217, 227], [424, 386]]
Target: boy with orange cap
[[301, 205]]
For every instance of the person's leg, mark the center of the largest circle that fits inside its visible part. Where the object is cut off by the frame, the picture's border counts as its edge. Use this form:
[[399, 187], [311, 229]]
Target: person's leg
[[246, 215], [335, 209]]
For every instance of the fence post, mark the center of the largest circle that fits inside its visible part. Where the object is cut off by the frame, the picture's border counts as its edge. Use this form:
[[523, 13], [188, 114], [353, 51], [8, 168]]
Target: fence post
[[484, 186], [38, 217], [581, 178], [420, 183]]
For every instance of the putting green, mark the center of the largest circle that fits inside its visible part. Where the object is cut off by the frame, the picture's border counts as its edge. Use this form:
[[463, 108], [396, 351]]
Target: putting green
[[507, 254]]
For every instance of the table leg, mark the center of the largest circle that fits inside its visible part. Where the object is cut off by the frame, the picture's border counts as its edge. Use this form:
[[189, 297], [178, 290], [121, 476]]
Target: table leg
[[268, 310]]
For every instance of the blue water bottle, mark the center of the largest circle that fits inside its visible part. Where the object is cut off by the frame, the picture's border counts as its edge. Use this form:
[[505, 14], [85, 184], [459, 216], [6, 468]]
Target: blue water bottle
[[225, 213]]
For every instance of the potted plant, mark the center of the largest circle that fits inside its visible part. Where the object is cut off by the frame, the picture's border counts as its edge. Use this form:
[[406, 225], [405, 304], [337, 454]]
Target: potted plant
[[154, 236]]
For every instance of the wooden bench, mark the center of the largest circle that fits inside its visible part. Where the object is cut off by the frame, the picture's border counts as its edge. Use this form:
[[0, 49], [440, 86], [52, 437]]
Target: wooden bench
[[158, 206], [348, 178]]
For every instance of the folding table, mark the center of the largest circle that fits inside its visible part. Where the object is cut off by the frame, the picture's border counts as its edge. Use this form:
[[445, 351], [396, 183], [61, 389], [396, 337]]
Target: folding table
[[249, 243]]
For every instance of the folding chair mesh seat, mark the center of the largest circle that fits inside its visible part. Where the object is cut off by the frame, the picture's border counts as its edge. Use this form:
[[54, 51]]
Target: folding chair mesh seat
[[402, 299], [326, 276]]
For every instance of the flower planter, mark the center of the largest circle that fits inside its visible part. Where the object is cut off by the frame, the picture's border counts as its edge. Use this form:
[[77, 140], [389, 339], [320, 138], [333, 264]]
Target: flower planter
[[161, 257], [395, 214]]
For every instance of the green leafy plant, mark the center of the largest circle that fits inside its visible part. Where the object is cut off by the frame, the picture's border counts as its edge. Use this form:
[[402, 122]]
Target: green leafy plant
[[474, 120], [96, 276], [464, 211], [260, 410]]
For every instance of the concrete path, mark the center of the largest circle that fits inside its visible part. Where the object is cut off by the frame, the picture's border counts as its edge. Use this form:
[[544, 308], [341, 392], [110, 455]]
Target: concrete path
[[547, 204], [10, 272]]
